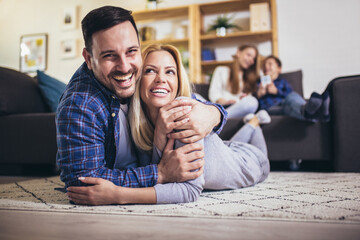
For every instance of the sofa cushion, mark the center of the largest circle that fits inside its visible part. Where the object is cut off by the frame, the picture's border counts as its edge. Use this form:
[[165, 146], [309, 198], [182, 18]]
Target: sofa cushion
[[51, 89], [295, 80], [19, 93]]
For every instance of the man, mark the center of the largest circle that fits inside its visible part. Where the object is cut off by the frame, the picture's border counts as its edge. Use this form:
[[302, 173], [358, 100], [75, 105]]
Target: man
[[278, 98], [92, 130]]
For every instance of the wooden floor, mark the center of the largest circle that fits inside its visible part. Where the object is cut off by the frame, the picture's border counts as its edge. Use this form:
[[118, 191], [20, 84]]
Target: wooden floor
[[16, 224]]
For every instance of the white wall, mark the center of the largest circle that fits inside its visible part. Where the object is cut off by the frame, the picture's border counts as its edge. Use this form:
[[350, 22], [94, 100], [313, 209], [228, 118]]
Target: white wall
[[19, 17], [321, 37]]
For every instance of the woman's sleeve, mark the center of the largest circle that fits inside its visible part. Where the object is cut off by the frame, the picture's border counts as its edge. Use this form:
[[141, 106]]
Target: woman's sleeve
[[218, 83], [188, 191]]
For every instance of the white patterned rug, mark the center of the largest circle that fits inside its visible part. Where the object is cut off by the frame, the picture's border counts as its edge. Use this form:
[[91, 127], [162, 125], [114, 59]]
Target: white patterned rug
[[295, 196]]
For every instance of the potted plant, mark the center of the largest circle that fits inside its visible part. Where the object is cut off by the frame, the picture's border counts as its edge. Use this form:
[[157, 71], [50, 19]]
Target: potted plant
[[222, 24]]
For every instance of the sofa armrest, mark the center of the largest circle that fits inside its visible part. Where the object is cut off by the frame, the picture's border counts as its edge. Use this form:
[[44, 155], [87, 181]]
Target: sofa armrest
[[345, 115], [28, 139]]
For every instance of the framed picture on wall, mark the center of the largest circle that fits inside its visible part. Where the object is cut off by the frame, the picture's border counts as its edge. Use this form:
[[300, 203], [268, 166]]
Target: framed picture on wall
[[69, 18], [68, 48], [33, 52]]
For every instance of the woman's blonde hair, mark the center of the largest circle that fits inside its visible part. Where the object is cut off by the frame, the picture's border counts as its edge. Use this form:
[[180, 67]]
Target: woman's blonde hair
[[142, 129], [250, 76]]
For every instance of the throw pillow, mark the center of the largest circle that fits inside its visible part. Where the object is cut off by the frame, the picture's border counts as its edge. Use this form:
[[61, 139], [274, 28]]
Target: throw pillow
[[51, 88]]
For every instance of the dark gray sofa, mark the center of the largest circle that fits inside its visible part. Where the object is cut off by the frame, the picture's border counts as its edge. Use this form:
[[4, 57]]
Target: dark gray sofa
[[27, 127], [333, 144], [28, 133]]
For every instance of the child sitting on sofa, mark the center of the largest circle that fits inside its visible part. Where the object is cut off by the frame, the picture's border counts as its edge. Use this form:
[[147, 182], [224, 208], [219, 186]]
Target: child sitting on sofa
[[278, 98]]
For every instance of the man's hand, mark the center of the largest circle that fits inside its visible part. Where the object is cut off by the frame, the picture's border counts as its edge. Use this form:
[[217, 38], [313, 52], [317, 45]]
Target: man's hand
[[178, 165], [103, 192], [202, 120], [271, 88]]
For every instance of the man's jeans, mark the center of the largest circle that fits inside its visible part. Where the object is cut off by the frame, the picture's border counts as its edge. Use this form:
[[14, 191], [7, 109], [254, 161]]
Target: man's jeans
[[292, 105]]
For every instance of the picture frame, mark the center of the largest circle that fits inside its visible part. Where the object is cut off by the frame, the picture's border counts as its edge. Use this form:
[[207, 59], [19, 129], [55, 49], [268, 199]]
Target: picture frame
[[69, 18], [68, 48], [33, 52]]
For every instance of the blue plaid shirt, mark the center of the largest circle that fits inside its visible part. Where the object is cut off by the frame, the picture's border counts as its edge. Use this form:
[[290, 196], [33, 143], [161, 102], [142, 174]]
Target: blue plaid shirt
[[269, 100], [87, 134]]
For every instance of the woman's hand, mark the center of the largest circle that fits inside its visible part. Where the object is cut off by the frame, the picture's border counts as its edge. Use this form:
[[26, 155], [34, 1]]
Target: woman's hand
[[170, 117], [203, 119], [103, 192]]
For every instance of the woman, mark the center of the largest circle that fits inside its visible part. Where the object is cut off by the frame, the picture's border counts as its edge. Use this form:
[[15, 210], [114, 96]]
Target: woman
[[229, 165], [234, 87]]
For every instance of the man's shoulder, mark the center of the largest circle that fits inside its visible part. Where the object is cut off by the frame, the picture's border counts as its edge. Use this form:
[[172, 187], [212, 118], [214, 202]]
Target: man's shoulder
[[83, 91]]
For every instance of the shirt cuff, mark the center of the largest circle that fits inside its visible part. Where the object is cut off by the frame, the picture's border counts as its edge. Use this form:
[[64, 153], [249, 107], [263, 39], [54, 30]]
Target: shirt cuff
[[156, 155]]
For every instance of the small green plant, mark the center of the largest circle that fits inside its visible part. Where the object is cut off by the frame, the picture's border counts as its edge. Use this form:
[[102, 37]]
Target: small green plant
[[223, 21]]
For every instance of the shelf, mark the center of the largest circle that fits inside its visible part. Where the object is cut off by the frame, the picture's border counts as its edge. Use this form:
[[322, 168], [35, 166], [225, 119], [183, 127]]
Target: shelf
[[161, 14], [209, 66], [196, 40], [262, 34], [214, 63], [183, 41], [227, 6]]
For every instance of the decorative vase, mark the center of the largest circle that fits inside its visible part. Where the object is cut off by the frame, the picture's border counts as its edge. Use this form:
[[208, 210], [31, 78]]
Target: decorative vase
[[151, 5], [221, 31]]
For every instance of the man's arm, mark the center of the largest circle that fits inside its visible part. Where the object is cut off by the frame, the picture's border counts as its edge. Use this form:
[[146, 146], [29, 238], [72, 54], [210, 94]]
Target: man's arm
[[83, 146], [205, 117]]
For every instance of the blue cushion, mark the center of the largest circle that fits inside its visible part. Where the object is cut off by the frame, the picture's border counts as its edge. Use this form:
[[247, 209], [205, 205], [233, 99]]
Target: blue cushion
[[51, 89]]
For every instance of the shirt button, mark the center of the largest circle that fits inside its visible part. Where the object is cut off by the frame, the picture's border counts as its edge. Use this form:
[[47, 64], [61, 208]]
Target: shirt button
[[113, 114]]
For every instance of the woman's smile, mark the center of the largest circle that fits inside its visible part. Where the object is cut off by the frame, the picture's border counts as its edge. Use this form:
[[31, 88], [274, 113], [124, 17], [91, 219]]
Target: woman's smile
[[160, 92], [159, 82]]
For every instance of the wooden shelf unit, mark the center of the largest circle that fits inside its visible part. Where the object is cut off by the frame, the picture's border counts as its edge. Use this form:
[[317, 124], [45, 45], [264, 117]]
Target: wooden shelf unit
[[197, 37]]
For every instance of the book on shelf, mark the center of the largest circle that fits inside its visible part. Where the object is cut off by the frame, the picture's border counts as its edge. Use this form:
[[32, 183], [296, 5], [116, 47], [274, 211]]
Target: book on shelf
[[259, 17]]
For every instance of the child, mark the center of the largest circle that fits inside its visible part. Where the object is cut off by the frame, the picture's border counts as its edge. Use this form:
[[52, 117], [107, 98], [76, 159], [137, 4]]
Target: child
[[278, 98]]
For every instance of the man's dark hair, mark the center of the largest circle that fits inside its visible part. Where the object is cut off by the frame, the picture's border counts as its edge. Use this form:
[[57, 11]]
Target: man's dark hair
[[277, 60], [103, 18]]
